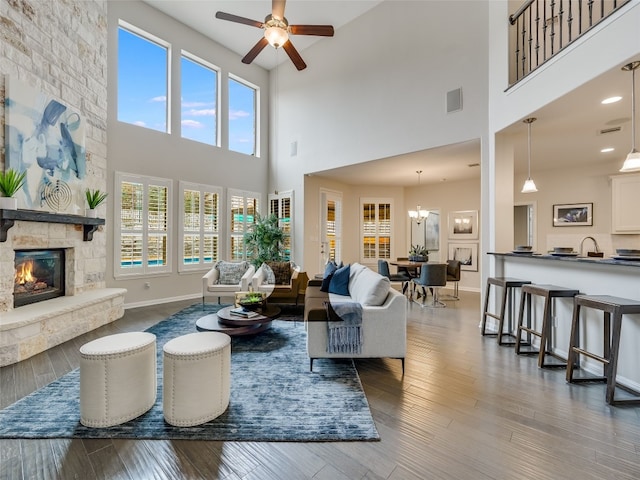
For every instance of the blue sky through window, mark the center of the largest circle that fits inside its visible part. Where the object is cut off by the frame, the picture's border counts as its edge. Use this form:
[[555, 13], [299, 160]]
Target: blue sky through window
[[198, 102], [143, 92], [142, 81]]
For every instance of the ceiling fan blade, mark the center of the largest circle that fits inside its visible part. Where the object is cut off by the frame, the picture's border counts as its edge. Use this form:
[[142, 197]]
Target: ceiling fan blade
[[253, 53], [320, 30], [294, 55], [277, 8], [235, 18]]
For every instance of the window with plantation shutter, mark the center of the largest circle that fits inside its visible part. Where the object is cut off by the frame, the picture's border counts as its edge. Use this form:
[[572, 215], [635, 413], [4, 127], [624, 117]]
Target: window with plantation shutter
[[242, 208], [200, 220], [281, 204], [142, 229], [376, 228]]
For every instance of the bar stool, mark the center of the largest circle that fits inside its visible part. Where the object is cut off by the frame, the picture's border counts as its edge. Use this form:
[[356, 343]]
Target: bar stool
[[548, 292], [508, 285], [610, 306]]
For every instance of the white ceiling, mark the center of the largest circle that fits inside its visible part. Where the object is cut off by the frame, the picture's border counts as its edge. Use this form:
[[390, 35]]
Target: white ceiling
[[566, 132]]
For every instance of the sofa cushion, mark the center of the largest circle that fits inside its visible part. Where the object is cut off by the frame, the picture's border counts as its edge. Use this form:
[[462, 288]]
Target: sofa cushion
[[369, 288], [329, 270], [231, 272], [339, 283], [281, 271]]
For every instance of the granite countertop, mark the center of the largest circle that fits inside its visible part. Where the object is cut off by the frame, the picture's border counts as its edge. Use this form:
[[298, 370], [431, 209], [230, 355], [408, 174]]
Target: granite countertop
[[573, 258]]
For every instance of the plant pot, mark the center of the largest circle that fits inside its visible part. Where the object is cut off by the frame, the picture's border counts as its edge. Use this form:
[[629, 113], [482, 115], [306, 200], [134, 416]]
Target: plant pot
[[8, 203], [418, 258], [91, 213]]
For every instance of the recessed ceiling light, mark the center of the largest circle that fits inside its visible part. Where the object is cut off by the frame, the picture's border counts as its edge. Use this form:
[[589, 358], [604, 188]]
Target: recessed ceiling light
[[607, 150], [609, 100]]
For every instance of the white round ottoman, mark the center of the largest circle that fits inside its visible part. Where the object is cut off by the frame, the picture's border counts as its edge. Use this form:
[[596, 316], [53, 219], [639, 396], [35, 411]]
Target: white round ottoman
[[118, 378], [196, 378]]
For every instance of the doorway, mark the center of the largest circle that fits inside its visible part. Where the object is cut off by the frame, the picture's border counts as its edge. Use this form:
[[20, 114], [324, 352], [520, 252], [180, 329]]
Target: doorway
[[524, 225]]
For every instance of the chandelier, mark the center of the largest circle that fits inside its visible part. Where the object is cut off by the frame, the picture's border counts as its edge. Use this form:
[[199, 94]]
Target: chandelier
[[418, 214]]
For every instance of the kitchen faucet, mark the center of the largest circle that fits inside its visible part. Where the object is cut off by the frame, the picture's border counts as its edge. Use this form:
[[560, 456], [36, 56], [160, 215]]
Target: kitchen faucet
[[595, 244]]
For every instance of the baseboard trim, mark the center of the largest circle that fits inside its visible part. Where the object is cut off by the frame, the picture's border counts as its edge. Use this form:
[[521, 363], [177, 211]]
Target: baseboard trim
[[158, 301]]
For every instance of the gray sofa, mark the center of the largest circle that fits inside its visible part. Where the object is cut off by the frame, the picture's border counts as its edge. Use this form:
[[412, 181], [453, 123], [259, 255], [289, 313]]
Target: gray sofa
[[384, 316]]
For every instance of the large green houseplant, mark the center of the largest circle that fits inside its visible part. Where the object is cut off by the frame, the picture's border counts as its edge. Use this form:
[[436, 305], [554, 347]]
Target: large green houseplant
[[10, 182], [264, 240]]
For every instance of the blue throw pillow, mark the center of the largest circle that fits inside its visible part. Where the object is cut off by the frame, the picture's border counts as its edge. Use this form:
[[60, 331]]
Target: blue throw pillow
[[328, 274], [339, 283]]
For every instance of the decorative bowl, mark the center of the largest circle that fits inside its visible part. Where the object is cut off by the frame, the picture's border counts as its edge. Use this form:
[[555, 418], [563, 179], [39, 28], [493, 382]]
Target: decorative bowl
[[252, 305], [563, 249], [523, 248]]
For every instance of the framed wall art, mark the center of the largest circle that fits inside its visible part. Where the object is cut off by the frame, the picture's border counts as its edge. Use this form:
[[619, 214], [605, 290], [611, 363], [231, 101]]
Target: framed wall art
[[466, 253], [463, 225], [573, 215]]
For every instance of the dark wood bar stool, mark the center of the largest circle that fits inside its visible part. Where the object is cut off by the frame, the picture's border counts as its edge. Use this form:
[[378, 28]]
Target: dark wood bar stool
[[612, 307], [548, 292], [508, 285]]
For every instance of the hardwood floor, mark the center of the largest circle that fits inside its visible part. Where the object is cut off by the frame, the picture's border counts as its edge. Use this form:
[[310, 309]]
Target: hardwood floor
[[464, 409]]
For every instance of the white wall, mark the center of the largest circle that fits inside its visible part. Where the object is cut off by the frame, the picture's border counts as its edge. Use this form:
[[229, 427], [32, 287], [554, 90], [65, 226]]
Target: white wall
[[138, 150], [373, 91]]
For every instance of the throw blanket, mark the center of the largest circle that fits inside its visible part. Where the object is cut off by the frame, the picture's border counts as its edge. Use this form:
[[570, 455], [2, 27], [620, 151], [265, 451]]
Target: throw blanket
[[344, 327]]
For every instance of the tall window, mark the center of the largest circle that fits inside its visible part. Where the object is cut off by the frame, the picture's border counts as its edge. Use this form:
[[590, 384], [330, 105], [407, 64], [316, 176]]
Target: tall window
[[200, 221], [376, 229], [142, 229], [243, 127], [243, 207], [281, 204], [199, 100], [143, 66]]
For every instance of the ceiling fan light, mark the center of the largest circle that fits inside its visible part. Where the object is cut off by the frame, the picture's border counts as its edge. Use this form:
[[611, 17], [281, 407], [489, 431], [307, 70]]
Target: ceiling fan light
[[632, 162], [529, 186], [276, 36]]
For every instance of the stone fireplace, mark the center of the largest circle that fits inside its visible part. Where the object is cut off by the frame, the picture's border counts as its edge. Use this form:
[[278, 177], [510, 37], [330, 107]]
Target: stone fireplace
[[67, 280], [39, 276]]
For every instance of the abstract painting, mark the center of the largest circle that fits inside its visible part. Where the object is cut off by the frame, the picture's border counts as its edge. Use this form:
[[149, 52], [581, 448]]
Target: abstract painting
[[46, 139]]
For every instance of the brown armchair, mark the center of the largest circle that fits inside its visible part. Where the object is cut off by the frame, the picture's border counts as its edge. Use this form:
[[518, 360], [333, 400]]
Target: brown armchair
[[271, 280]]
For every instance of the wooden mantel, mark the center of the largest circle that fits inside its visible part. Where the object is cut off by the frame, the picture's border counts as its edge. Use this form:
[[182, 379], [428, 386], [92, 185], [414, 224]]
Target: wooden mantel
[[8, 218]]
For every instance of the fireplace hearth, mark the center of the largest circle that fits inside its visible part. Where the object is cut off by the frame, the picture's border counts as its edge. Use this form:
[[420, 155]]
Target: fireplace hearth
[[39, 276]]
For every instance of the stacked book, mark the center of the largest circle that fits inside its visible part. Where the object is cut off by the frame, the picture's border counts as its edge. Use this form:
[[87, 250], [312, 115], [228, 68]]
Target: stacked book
[[241, 312]]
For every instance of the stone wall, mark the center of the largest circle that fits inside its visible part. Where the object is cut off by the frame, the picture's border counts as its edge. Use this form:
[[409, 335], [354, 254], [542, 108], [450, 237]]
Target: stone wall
[[59, 47]]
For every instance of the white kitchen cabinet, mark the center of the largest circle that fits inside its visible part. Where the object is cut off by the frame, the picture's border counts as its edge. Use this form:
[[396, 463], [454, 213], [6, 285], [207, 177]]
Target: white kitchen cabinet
[[625, 203]]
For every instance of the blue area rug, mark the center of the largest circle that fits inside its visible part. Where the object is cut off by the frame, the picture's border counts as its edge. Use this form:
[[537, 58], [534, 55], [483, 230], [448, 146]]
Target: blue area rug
[[274, 396]]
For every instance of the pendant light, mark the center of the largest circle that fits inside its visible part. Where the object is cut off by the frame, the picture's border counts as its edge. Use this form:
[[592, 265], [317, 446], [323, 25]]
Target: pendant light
[[632, 162], [529, 186], [418, 214]]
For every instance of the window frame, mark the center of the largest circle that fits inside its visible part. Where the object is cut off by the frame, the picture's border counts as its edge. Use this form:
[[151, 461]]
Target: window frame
[[231, 193], [280, 197], [256, 121], [377, 201], [144, 269], [143, 34], [218, 71], [201, 231]]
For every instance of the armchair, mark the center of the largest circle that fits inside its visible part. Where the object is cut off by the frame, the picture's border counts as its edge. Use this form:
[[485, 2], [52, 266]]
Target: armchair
[[270, 278], [236, 276]]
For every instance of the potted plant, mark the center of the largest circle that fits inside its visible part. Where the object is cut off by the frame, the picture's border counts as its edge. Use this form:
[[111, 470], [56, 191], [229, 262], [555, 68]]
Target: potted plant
[[253, 301], [10, 182], [94, 199], [418, 253], [264, 240]]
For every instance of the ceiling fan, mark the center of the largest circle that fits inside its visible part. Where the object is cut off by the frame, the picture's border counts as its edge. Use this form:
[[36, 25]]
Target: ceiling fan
[[277, 31]]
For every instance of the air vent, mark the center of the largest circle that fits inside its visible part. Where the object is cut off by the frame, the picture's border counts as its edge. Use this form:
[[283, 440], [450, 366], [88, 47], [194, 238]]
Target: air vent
[[454, 100], [473, 165], [606, 131]]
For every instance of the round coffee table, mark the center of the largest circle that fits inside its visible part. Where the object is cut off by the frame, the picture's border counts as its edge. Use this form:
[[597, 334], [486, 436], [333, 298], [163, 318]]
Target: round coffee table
[[224, 321]]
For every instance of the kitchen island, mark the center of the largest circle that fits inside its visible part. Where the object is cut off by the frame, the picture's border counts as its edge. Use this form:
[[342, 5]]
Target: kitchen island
[[591, 276]]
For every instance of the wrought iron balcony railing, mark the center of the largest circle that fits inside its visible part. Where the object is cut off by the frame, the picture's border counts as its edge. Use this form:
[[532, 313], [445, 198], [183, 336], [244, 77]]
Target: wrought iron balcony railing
[[542, 28]]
